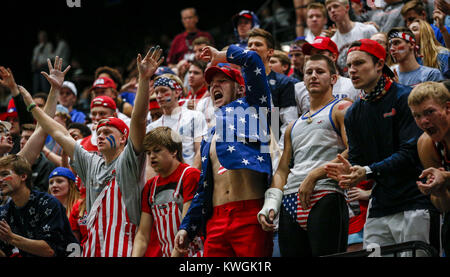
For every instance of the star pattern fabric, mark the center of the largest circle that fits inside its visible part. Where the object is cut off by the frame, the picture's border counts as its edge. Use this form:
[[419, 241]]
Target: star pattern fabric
[[167, 83], [242, 140], [291, 204], [42, 218]]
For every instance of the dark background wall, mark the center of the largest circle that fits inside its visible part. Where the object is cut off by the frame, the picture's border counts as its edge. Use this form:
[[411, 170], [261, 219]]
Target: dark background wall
[[107, 32]]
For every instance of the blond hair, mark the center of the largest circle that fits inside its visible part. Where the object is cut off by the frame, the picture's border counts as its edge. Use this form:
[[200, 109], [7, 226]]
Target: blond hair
[[429, 47], [317, 6], [343, 2], [429, 90]]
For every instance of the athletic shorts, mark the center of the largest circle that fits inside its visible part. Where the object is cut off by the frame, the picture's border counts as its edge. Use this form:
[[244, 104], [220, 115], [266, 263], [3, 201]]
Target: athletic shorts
[[234, 231]]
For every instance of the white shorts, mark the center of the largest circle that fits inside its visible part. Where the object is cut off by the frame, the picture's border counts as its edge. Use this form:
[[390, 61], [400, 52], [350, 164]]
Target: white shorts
[[401, 227]]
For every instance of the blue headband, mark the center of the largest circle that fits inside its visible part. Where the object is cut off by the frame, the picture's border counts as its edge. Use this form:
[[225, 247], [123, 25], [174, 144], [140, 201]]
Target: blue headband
[[62, 171]]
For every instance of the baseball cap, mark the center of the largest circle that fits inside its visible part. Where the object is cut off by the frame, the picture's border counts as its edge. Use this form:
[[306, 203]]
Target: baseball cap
[[115, 122], [163, 70], [321, 43], [232, 73], [71, 86], [103, 101], [6, 124], [245, 14], [62, 171], [60, 109], [11, 111], [104, 82], [374, 48]]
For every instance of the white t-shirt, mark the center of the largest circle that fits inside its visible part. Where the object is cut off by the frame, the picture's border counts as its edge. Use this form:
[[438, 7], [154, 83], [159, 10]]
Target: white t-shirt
[[190, 125], [343, 41], [206, 107], [342, 89]]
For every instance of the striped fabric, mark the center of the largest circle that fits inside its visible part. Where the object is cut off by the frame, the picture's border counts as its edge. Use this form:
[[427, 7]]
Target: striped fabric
[[167, 218], [292, 205], [111, 234]]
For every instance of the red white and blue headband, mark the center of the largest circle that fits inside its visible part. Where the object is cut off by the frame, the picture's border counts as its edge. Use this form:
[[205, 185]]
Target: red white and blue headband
[[167, 82], [403, 36]]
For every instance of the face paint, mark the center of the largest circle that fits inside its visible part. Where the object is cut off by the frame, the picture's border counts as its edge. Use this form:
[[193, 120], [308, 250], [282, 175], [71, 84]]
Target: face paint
[[112, 141], [7, 178]]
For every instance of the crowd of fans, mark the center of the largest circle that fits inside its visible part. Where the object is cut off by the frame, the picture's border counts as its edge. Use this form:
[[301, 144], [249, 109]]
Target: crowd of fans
[[325, 144]]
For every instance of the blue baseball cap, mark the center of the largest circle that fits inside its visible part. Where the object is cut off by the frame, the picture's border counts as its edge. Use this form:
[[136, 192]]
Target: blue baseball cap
[[62, 171]]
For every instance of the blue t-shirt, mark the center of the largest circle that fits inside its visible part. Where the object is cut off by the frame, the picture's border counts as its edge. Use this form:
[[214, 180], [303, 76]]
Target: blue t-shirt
[[438, 34], [420, 75], [77, 116]]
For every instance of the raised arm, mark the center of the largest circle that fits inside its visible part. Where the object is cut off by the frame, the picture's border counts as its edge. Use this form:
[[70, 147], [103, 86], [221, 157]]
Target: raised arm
[[147, 68], [49, 125], [36, 142]]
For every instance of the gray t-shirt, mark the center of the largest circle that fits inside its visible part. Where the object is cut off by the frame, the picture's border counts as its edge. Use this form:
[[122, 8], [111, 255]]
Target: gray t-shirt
[[420, 75], [95, 174]]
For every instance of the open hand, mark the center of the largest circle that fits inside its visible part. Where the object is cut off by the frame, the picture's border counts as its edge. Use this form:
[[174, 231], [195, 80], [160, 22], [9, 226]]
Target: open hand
[[336, 170], [7, 80], [56, 77], [148, 66]]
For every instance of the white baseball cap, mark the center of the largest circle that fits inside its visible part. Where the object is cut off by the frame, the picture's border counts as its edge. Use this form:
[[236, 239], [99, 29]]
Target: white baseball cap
[[71, 86]]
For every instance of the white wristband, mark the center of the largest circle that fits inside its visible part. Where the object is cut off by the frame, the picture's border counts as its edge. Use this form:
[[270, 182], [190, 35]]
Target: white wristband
[[272, 201]]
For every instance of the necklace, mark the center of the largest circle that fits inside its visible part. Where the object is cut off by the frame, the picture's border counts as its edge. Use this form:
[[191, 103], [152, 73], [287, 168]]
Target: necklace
[[309, 119]]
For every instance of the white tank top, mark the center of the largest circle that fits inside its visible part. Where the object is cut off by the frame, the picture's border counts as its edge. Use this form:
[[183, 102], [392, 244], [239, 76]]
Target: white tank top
[[314, 143]]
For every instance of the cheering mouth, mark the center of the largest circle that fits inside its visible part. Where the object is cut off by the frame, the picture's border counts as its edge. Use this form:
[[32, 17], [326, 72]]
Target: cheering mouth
[[218, 95]]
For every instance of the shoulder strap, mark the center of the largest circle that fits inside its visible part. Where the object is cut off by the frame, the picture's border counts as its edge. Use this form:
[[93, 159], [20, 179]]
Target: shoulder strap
[[151, 198], [177, 190]]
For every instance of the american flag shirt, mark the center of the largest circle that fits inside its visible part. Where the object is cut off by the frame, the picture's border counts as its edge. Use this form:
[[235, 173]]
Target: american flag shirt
[[243, 137]]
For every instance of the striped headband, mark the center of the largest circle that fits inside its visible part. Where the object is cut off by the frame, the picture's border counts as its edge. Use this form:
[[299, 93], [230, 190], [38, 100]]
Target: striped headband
[[402, 35], [164, 81]]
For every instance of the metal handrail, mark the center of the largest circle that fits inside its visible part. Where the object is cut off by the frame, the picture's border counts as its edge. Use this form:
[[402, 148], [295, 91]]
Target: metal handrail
[[394, 249]]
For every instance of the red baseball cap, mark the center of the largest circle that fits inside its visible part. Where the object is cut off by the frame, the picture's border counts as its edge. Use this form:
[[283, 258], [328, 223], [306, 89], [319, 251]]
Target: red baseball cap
[[116, 123], [244, 13], [103, 101], [232, 73], [104, 82], [374, 48], [321, 43], [11, 111]]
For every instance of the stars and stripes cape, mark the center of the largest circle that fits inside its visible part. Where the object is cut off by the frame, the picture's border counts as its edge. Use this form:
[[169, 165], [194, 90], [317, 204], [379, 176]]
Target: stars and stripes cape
[[243, 137]]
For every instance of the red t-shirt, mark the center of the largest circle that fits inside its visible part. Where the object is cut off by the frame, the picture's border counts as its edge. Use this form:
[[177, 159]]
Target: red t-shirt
[[87, 144], [180, 44], [189, 187], [78, 223]]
